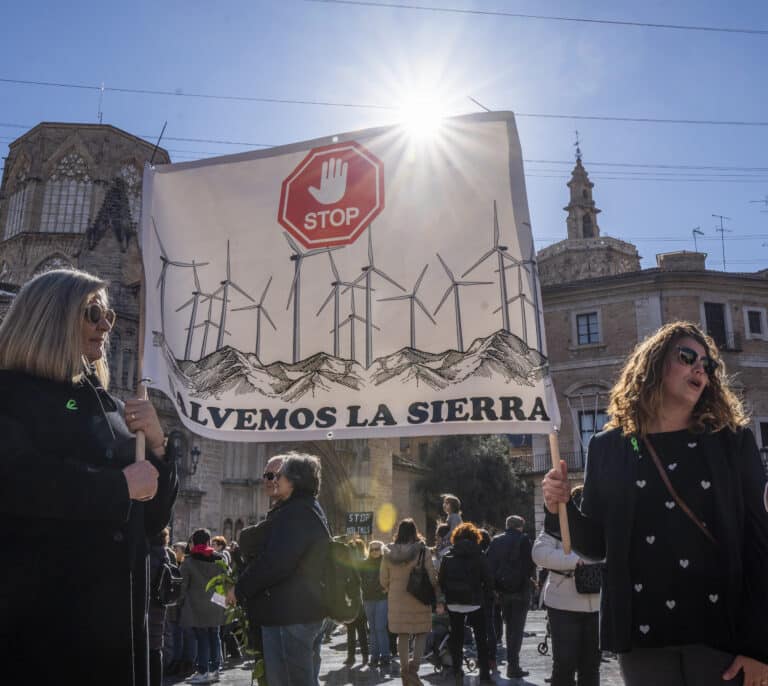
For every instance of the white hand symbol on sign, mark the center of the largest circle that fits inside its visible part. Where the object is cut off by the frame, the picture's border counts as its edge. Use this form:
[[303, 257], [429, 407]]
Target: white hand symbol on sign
[[333, 182]]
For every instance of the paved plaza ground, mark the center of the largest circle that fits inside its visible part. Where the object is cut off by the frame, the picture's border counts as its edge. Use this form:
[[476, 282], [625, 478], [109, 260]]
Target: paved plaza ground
[[334, 673]]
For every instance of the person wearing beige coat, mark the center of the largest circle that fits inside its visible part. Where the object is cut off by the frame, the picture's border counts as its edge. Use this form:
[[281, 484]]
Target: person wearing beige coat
[[406, 615]]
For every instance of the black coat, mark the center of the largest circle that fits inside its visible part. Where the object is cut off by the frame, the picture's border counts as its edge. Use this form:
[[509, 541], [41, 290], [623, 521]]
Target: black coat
[[602, 530], [370, 573], [465, 575], [76, 581], [281, 585], [515, 546]]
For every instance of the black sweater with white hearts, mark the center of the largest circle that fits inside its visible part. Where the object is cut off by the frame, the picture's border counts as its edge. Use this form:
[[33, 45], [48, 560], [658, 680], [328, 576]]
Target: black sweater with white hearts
[[603, 528], [679, 580]]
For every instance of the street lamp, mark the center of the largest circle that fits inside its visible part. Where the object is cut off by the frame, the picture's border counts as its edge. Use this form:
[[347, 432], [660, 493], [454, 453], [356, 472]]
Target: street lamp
[[194, 455]]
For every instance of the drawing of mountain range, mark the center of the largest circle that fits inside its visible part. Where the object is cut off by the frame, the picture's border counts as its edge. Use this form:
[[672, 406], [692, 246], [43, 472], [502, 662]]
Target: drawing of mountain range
[[502, 355]]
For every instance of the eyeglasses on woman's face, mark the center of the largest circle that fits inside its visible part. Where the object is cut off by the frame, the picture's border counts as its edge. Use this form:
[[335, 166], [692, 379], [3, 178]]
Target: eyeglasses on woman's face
[[95, 312], [689, 357], [269, 476]]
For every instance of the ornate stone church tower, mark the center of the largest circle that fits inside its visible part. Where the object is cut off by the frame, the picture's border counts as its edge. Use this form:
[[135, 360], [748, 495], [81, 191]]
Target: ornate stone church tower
[[585, 254]]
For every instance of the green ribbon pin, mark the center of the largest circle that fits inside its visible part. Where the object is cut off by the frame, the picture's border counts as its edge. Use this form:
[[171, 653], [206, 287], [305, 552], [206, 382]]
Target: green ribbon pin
[[71, 404], [635, 446]]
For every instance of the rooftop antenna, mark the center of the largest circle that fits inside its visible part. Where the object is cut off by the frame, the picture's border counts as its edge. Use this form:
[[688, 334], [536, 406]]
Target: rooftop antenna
[[101, 98], [722, 231], [479, 104], [157, 145], [696, 232], [764, 201]]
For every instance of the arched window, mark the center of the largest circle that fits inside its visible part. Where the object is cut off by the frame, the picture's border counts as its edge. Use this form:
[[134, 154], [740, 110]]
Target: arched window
[[238, 528], [18, 202], [67, 198], [587, 227], [54, 262]]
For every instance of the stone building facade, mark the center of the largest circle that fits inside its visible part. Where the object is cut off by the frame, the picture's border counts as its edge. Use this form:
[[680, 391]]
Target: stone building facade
[[595, 315], [71, 197]]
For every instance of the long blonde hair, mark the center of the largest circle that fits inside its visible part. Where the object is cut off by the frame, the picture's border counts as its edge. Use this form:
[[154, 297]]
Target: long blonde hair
[[636, 397], [42, 332]]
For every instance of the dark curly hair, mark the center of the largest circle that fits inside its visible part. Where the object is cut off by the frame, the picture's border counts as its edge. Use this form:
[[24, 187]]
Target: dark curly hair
[[636, 397]]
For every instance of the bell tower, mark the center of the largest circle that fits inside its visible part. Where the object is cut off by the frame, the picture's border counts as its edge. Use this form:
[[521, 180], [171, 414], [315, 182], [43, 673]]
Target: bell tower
[[582, 213]]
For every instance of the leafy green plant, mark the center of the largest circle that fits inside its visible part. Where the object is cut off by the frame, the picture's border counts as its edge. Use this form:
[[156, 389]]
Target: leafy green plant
[[237, 616]]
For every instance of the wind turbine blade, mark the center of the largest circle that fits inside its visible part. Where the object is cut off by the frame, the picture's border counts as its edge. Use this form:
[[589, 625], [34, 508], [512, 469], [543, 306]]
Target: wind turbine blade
[[395, 297], [293, 283], [246, 307], [162, 273], [228, 271], [194, 274], [186, 304], [445, 297], [354, 284], [335, 271], [264, 294], [349, 285], [445, 266], [269, 319], [480, 261], [240, 290], [370, 244], [384, 276], [326, 301], [181, 264], [292, 244], [421, 276], [160, 243], [495, 225], [424, 310], [475, 283], [343, 324]]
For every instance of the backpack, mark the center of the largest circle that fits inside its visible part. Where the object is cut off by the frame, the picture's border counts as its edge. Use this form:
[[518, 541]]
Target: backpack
[[340, 580], [510, 577], [165, 589]]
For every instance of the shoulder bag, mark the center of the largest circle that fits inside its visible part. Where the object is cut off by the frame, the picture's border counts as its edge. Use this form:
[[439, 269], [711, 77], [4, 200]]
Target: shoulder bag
[[419, 583]]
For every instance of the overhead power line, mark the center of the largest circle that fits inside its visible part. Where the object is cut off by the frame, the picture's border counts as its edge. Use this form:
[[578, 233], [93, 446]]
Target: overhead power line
[[371, 106], [518, 15]]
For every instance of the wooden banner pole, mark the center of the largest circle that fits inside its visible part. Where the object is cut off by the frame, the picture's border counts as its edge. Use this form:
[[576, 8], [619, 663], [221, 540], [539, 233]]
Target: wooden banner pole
[[141, 389], [565, 532]]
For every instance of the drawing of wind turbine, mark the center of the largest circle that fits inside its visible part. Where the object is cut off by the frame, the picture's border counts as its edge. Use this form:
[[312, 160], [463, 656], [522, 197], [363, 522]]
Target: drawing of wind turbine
[[457, 306], [298, 258], [167, 262], [368, 270], [414, 300], [260, 309], [193, 301], [350, 320], [224, 290], [208, 322], [501, 253], [335, 286], [521, 295]]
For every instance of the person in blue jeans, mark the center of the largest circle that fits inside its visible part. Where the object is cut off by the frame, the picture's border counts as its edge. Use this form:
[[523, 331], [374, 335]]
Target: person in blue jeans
[[198, 612], [282, 585], [375, 603]]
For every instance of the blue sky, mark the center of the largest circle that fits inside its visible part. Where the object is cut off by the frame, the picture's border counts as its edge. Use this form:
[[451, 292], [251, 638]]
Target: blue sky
[[298, 50]]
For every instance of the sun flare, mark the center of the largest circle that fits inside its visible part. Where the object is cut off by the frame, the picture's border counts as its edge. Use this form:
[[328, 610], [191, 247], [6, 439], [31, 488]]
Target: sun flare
[[422, 118]]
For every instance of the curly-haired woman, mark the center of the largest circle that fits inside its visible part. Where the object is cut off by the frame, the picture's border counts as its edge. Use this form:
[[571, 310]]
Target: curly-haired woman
[[675, 501], [466, 580]]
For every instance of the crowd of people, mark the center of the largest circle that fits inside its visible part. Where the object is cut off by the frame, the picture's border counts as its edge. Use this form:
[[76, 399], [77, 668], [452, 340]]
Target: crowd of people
[[669, 533]]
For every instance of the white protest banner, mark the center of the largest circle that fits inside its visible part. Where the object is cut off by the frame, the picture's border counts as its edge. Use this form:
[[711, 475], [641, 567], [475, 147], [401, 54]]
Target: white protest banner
[[368, 284]]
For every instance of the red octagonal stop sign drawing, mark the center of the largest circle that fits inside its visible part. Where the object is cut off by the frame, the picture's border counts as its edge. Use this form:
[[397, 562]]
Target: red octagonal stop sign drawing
[[332, 195]]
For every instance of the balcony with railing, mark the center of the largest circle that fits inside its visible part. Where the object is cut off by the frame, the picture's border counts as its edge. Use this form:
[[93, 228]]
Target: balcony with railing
[[539, 463]]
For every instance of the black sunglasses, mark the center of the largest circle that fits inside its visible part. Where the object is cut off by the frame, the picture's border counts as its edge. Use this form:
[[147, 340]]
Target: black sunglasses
[[689, 357], [94, 313], [269, 476]]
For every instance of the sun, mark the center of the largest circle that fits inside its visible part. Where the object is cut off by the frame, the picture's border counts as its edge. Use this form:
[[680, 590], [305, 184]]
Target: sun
[[422, 117]]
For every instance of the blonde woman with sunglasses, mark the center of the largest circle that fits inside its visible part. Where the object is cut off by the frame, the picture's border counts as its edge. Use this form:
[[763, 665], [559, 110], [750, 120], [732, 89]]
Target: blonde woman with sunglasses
[[77, 508], [675, 502]]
